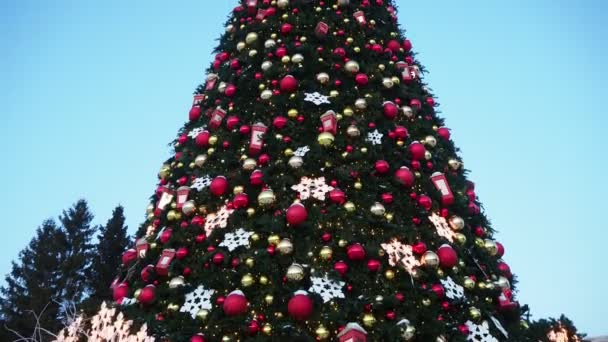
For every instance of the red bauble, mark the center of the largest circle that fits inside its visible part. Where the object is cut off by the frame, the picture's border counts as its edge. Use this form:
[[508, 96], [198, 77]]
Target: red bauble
[[337, 196], [218, 258], [438, 290], [147, 295], [447, 256], [202, 139], [296, 214], [419, 248], [382, 166], [232, 121], [195, 113], [341, 267], [355, 252], [415, 104], [300, 306], [393, 45], [289, 84], [400, 132], [256, 178], [387, 198], [235, 304], [147, 273], [373, 265], [254, 327], [390, 315], [240, 201], [405, 176], [166, 235], [230, 90], [500, 249], [361, 79], [279, 122], [181, 253], [425, 201], [120, 291], [286, 28], [407, 45], [197, 338], [390, 110], [444, 133], [504, 269], [129, 256], [417, 150], [218, 186]]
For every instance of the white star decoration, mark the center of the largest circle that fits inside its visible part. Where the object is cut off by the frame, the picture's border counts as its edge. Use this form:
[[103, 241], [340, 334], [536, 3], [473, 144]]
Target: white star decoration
[[197, 300], [301, 151], [200, 183], [326, 288], [218, 219], [128, 301], [479, 333], [312, 187], [238, 238], [375, 137], [399, 253], [453, 290], [316, 98], [196, 131], [499, 326], [443, 229]]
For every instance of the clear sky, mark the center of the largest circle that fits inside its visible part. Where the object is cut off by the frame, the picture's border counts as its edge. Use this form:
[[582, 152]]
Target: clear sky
[[91, 93]]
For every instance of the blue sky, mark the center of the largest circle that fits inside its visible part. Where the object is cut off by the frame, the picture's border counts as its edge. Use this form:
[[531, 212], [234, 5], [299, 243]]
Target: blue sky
[[91, 93]]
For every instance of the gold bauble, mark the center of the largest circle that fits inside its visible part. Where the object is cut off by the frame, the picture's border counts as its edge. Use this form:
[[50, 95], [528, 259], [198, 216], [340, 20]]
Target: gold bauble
[[322, 332], [430, 259], [239, 46], [292, 113], [267, 329], [490, 246], [247, 280], [325, 139], [469, 283], [323, 77], [430, 140], [503, 283], [176, 282], [251, 38], [249, 262], [460, 238], [440, 273], [457, 222], [342, 243], [369, 320], [150, 208], [255, 237], [378, 209], [296, 162], [428, 155], [358, 185], [474, 313], [239, 189], [481, 285], [353, 131], [285, 59], [326, 253], [150, 216], [387, 82], [490, 286], [269, 299], [361, 103], [524, 324], [389, 274], [264, 280], [202, 314], [262, 86], [357, 49], [282, 3], [226, 338], [480, 243], [274, 239], [172, 307], [266, 198], [285, 247], [253, 52], [153, 245], [165, 171], [295, 272], [171, 215], [136, 293], [389, 217], [348, 111], [349, 206], [426, 302], [351, 66], [250, 212], [249, 164], [363, 149], [189, 207], [334, 93], [395, 80], [454, 164]]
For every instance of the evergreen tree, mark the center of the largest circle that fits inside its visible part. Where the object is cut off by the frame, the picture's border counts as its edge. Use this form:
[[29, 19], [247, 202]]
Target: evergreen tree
[[33, 286], [78, 253], [113, 240]]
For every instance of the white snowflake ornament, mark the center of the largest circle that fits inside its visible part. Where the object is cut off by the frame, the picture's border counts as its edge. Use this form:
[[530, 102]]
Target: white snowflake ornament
[[196, 131], [197, 300], [317, 98], [452, 290], [238, 238], [312, 187], [200, 183], [301, 151], [479, 332], [374, 137], [398, 253], [442, 226], [328, 289], [217, 220]]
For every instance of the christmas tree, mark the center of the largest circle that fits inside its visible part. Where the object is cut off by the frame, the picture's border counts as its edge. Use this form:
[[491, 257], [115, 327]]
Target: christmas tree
[[315, 194]]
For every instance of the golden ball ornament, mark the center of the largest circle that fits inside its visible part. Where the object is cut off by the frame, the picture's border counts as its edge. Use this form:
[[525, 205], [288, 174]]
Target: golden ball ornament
[[287, 152], [323, 77], [368, 320], [480, 243], [255, 237], [440, 273], [189, 207], [428, 155], [238, 189], [342, 243], [322, 332], [387, 83], [456, 222], [481, 285], [150, 208], [164, 172], [348, 111], [137, 293], [253, 52], [490, 246], [381, 67], [296, 162], [353, 131], [378, 209], [226, 338], [430, 259], [267, 329], [247, 280], [285, 59], [389, 217], [266, 198], [389, 274], [357, 49], [262, 86], [460, 238], [334, 93], [395, 80], [295, 272], [454, 164], [249, 164], [250, 212], [250, 262], [524, 324], [325, 139], [282, 4], [430, 141], [173, 307], [292, 113], [326, 253], [153, 245], [426, 302], [469, 283], [251, 38], [372, 22], [264, 280], [474, 313], [361, 103], [239, 47], [171, 215], [268, 299], [176, 282], [191, 165], [173, 205], [202, 314], [358, 185], [490, 286], [349, 206], [285, 247], [351, 66]]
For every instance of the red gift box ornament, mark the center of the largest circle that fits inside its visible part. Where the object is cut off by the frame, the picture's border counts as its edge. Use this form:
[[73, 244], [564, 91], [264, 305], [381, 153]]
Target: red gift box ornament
[[198, 99], [321, 29], [251, 5], [182, 195], [211, 82], [142, 246], [257, 138], [162, 266], [505, 301], [353, 332], [360, 17], [165, 198], [330, 122], [441, 184], [216, 118], [261, 15]]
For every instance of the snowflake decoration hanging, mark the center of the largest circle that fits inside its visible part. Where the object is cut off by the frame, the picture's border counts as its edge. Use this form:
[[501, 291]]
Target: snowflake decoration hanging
[[452, 290], [499, 326], [374, 137], [326, 288], [196, 131], [301, 151], [442, 226], [218, 219], [197, 300], [128, 301], [200, 183], [238, 238], [399, 253], [317, 98], [312, 187], [479, 332]]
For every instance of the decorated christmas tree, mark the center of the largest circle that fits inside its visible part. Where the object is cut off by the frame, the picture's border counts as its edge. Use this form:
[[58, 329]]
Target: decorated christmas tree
[[315, 194]]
